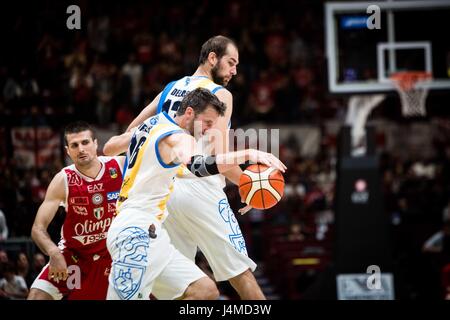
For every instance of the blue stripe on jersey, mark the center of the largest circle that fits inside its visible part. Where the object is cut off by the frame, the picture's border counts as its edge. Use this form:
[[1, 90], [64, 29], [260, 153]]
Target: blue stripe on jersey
[[169, 118], [125, 166], [216, 89], [164, 95], [161, 162]]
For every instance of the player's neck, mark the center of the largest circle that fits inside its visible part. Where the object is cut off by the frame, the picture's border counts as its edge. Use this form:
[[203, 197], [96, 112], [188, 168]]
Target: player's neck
[[202, 71], [91, 170]]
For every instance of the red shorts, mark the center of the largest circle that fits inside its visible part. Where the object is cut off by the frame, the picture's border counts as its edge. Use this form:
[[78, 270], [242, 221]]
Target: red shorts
[[87, 278]]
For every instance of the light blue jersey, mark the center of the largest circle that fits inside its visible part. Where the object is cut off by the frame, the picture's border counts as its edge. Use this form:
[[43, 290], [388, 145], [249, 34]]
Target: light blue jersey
[[175, 91]]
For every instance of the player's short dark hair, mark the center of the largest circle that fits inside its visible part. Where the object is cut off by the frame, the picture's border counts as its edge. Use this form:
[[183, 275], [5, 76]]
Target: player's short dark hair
[[199, 100], [217, 44], [76, 127]]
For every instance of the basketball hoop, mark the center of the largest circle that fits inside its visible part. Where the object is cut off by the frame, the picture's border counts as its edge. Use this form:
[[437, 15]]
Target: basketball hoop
[[413, 90]]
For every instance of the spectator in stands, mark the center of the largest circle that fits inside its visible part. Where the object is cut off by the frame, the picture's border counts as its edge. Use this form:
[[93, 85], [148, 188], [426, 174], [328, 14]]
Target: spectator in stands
[[23, 268], [3, 261], [133, 70], [3, 226], [439, 242], [3, 256], [39, 263], [12, 286], [296, 232]]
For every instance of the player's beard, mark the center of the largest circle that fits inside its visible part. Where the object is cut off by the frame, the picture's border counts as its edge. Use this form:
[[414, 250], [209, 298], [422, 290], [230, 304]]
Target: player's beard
[[216, 77]]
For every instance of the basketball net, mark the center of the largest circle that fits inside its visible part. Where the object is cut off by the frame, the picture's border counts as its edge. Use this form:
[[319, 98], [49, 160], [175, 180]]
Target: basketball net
[[413, 90]]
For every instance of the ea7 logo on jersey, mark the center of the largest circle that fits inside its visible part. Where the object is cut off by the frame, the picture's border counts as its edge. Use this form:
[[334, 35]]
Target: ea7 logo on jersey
[[73, 179], [98, 187], [112, 195], [80, 210]]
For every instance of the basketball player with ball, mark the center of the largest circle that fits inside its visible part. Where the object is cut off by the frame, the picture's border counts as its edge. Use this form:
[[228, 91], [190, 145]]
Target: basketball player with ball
[[157, 150], [200, 215]]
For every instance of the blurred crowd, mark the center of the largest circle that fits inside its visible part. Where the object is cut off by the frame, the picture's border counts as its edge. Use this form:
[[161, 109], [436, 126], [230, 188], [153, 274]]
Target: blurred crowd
[[119, 60], [123, 56]]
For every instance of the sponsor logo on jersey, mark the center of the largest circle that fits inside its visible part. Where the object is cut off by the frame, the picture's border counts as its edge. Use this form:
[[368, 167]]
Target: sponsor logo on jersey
[[113, 173], [80, 210], [79, 200], [112, 207], [97, 198], [90, 226], [92, 238], [98, 187], [112, 195], [73, 179], [98, 212], [153, 121]]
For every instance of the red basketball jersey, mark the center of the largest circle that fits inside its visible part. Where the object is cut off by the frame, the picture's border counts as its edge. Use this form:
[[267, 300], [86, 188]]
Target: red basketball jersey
[[90, 207]]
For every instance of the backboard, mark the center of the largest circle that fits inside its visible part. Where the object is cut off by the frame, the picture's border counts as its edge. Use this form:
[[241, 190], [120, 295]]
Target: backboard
[[412, 36]]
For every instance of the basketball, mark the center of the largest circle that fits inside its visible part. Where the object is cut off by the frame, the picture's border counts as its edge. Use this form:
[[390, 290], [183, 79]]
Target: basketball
[[261, 186]]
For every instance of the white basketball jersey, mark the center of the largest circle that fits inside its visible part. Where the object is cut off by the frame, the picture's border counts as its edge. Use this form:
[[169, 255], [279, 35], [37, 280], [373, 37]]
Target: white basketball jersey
[[148, 181], [175, 91], [170, 101]]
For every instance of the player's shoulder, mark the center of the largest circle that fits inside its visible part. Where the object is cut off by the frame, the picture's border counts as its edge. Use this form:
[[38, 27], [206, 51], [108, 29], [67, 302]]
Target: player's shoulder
[[177, 137], [68, 168], [165, 120], [58, 182], [224, 93]]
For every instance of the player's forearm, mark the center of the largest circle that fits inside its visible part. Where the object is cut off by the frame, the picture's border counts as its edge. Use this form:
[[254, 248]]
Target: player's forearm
[[233, 175], [228, 161], [115, 146], [42, 239], [139, 119]]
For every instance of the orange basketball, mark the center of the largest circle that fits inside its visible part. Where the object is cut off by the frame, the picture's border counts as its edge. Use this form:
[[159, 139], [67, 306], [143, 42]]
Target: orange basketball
[[261, 186]]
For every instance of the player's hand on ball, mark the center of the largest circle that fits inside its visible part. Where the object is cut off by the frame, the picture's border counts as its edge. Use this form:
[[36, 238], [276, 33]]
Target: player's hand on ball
[[268, 159]]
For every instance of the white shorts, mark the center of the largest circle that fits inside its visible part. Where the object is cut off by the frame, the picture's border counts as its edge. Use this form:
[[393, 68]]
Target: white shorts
[[46, 286], [200, 216], [146, 262]]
